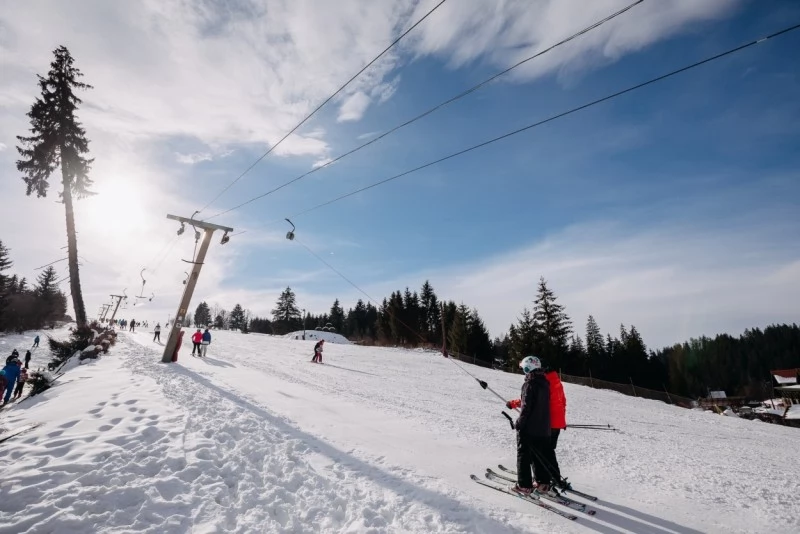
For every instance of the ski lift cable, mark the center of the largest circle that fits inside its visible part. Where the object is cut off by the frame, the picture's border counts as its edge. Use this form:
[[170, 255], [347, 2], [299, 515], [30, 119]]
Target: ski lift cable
[[482, 383], [331, 97], [51, 263], [544, 121], [432, 110]]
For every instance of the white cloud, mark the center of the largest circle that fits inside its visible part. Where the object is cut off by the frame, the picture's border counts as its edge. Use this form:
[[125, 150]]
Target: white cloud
[[191, 159], [2, 146], [354, 107], [505, 33], [321, 162]]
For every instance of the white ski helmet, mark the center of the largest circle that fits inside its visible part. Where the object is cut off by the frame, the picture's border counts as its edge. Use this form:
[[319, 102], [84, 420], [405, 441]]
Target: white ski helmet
[[530, 364]]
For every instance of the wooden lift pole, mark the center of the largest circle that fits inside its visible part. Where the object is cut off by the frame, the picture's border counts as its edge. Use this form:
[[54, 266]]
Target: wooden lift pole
[[180, 316]]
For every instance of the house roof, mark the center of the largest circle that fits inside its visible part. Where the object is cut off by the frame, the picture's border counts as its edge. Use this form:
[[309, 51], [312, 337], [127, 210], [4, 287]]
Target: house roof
[[785, 376]]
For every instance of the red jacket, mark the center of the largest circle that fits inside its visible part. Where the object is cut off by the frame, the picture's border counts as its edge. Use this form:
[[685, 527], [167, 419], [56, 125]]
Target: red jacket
[[558, 402], [197, 337]]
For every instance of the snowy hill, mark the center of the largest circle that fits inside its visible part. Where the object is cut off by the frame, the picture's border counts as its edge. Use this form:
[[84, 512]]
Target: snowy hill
[[255, 438], [316, 335]]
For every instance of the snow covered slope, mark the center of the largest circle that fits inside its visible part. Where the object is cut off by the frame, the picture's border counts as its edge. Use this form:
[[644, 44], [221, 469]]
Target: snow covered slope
[[255, 438]]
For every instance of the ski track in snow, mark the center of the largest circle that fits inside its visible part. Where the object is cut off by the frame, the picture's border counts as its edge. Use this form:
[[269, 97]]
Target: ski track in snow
[[255, 438]]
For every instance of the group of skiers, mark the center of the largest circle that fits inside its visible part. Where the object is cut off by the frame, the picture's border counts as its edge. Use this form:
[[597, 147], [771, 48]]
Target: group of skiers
[[542, 405], [14, 375], [200, 342]]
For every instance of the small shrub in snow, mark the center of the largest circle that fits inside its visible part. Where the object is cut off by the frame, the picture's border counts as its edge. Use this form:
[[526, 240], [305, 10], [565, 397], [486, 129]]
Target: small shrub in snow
[[40, 380]]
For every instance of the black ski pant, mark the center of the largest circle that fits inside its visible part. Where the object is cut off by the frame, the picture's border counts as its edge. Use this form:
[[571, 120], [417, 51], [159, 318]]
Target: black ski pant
[[195, 348], [533, 452], [554, 469], [157, 336]]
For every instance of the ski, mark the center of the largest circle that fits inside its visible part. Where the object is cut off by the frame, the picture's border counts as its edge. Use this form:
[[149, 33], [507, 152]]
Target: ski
[[558, 499], [17, 431], [569, 489], [530, 499]]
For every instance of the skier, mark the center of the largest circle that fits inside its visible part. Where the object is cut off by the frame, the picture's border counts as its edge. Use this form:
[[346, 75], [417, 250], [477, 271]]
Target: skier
[[318, 352], [205, 343], [157, 332], [27, 359], [14, 356], [197, 337], [12, 372], [23, 377], [558, 419], [533, 429], [133, 325], [36, 341]]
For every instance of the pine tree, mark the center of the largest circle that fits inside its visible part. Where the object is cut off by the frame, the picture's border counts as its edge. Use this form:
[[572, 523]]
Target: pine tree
[[221, 320], [479, 342], [237, 319], [594, 339], [431, 314], [202, 315], [523, 338], [46, 292], [337, 316], [458, 333], [554, 326], [58, 139], [285, 315], [5, 289]]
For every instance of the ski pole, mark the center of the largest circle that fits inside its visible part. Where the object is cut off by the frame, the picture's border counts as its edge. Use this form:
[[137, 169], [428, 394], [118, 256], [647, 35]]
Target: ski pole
[[593, 428]]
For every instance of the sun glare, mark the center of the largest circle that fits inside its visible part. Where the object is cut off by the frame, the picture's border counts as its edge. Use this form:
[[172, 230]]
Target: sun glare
[[118, 205]]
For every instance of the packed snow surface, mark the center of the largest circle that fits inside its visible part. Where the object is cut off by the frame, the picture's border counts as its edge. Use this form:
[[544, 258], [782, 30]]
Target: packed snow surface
[[256, 438]]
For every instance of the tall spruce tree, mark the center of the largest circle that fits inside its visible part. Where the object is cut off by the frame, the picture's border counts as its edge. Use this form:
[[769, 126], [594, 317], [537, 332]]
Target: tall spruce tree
[[458, 333], [286, 314], [554, 326], [47, 294], [58, 140], [202, 315], [336, 316], [479, 342], [5, 281], [236, 319]]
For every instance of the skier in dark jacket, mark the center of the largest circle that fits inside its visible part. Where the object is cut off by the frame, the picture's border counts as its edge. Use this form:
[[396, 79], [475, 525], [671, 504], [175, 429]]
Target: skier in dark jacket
[[533, 430], [27, 359], [318, 351], [12, 373]]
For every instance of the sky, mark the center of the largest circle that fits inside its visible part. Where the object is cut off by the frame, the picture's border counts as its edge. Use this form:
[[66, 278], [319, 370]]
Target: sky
[[673, 208]]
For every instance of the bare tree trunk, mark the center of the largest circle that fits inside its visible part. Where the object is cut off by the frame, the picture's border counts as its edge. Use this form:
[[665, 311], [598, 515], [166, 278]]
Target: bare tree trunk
[[72, 254]]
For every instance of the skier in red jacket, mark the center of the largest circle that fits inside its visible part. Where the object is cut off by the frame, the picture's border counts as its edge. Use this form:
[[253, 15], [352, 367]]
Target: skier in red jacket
[[197, 338], [558, 418]]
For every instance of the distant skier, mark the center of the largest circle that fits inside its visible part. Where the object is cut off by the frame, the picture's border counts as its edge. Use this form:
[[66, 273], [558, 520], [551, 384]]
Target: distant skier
[[157, 333], [35, 341], [27, 359], [318, 352], [533, 429], [205, 343], [133, 325], [197, 338]]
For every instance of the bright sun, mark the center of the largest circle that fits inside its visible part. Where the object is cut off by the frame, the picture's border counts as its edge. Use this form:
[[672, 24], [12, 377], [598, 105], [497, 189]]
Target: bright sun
[[118, 206]]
